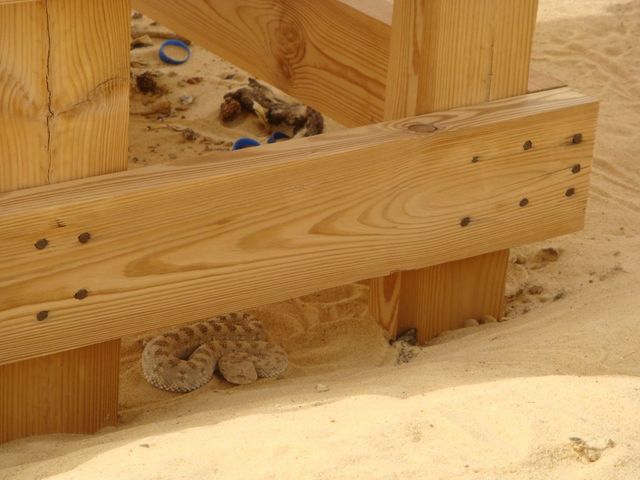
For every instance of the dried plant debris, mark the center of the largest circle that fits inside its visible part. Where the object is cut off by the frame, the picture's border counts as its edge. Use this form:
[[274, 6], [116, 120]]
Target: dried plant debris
[[141, 42], [190, 135], [147, 84], [274, 113], [587, 453]]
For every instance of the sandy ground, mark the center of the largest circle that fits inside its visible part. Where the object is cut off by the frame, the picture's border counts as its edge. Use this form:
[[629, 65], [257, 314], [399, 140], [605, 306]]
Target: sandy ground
[[553, 393]]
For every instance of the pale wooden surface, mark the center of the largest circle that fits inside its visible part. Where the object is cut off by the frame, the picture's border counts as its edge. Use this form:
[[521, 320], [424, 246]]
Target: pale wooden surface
[[174, 244], [448, 54], [72, 122], [384, 302], [23, 96], [69, 392], [323, 53], [7, 2], [331, 54], [63, 115], [456, 291]]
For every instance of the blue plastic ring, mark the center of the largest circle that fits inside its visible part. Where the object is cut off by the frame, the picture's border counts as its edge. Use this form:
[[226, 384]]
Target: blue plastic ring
[[175, 43], [244, 142]]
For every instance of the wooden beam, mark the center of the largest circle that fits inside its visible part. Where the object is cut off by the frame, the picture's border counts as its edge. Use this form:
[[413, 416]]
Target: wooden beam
[[446, 54], [7, 2], [64, 88], [454, 289], [456, 53], [68, 392], [323, 53], [331, 54], [170, 244]]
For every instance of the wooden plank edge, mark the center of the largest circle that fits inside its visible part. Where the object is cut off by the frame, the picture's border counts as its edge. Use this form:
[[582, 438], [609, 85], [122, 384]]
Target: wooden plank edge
[[84, 198]]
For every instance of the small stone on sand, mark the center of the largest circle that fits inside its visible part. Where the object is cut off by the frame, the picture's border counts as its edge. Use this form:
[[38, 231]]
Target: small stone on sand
[[186, 99], [488, 319]]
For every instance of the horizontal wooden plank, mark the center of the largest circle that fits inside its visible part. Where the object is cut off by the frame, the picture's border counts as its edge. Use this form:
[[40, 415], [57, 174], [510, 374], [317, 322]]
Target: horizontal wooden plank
[[332, 54], [171, 244], [8, 2]]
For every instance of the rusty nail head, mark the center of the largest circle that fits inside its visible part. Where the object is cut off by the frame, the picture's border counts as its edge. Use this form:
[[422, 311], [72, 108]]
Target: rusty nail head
[[570, 192], [577, 138], [465, 221], [84, 237], [42, 315], [576, 168], [528, 145], [475, 159], [41, 244], [524, 202], [81, 294]]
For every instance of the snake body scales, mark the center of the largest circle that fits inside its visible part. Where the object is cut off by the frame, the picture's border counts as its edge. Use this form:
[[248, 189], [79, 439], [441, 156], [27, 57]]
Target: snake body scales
[[185, 358]]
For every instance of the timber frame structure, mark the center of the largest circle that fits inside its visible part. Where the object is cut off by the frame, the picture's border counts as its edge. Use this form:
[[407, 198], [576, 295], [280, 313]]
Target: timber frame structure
[[454, 154]]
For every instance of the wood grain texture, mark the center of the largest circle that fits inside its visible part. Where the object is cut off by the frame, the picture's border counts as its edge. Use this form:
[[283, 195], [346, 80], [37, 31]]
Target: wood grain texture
[[69, 392], [331, 54], [324, 53], [63, 115], [451, 53], [172, 244], [456, 291], [384, 302], [23, 96], [445, 54], [7, 2]]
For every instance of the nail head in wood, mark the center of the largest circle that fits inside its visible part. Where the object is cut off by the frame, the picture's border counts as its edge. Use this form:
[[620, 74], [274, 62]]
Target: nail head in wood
[[577, 138], [84, 237], [81, 294], [570, 192], [524, 202], [465, 221], [576, 168], [528, 145], [43, 315], [41, 244]]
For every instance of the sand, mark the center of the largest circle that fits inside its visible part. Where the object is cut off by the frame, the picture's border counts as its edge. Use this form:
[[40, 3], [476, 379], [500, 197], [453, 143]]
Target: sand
[[552, 393]]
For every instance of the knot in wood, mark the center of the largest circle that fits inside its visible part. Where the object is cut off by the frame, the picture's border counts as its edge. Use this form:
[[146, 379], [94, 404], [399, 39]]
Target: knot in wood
[[422, 128]]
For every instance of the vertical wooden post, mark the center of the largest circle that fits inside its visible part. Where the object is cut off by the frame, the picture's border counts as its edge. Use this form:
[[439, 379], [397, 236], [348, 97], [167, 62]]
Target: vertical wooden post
[[447, 54], [64, 109]]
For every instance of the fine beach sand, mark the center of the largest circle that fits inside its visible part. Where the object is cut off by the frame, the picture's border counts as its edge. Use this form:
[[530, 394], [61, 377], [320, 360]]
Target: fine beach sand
[[552, 393]]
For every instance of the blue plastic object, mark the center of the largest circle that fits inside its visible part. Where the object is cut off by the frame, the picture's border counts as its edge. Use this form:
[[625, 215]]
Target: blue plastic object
[[244, 142], [275, 136], [174, 43]]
